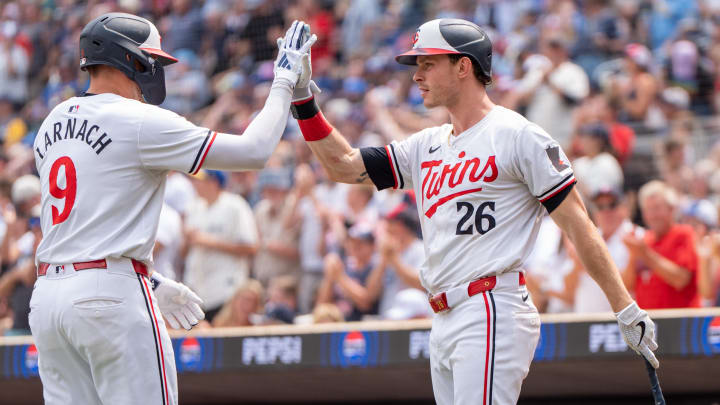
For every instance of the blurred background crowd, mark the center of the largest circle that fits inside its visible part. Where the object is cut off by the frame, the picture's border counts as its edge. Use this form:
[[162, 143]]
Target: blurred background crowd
[[630, 88]]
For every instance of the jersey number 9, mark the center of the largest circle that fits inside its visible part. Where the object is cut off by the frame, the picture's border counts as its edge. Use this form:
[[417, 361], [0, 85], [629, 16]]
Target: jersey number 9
[[68, 193]]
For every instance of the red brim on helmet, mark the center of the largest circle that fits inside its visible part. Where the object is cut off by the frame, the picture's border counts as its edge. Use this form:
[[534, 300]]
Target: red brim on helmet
[[164, 57], [410, 57]]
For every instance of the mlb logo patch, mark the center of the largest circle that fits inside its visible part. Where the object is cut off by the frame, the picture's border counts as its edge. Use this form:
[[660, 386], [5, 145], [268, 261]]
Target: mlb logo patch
[[74, 108]]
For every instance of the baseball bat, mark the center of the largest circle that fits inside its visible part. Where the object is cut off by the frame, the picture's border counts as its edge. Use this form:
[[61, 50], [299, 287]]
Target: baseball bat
[[654, 384]]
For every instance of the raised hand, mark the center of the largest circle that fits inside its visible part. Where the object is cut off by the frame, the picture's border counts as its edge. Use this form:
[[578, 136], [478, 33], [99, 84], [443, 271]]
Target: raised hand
[[293, 61]]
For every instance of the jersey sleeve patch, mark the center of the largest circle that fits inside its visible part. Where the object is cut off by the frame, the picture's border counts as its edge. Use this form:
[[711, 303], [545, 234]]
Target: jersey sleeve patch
[[379, 166], [202, 152], [553, 153]]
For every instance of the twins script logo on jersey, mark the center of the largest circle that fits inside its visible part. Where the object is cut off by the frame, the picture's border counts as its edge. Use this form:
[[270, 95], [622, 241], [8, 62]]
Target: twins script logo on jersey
[[463, 176]]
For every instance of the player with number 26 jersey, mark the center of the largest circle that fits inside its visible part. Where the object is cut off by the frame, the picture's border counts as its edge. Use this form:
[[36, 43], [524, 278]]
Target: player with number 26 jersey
[[482, 184], [478, 193]]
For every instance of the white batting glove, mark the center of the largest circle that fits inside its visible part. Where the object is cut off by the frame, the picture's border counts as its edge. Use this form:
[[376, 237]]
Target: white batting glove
[[177, 302], [293, 57], [639, 332]]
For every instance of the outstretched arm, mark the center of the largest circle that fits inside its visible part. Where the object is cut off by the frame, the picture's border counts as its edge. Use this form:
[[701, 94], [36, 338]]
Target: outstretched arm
[[637, 328], [254, 147]]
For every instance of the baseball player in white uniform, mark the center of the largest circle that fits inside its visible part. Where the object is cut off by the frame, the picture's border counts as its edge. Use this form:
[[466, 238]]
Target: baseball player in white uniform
[[103, 160], [482, 185]]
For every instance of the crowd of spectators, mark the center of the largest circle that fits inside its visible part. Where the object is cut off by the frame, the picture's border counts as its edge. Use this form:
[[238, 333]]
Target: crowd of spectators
[[630, 88]]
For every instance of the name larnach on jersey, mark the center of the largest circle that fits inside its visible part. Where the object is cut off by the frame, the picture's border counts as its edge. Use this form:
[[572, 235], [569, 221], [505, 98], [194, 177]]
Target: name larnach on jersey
[[72, 131]]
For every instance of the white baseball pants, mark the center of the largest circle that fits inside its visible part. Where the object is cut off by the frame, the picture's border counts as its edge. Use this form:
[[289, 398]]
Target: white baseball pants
[[480, 350], [100, 337]]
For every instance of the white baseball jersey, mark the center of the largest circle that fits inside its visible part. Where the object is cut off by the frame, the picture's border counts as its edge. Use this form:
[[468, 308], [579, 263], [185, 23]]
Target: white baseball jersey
[[103, 162], [480, 195]]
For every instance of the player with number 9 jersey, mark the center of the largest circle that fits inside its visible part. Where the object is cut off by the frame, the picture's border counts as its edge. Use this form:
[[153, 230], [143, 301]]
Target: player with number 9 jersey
[[101, 155], [97, 310]]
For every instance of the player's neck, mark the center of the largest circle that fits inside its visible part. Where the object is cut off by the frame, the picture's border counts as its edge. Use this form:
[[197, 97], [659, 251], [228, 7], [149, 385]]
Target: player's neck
[[469, 108], [116, 84]]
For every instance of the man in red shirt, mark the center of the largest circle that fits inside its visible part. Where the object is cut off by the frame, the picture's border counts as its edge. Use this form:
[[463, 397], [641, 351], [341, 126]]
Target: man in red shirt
[[663, 264]]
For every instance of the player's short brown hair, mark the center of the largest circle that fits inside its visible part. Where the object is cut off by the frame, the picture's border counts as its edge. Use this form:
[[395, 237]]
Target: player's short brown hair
[[477, 70]]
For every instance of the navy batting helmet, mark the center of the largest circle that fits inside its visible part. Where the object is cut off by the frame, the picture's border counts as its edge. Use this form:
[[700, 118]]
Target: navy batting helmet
[[130, 44], [451, 36]]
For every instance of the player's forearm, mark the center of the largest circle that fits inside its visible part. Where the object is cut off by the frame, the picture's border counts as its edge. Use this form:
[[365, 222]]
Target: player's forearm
[[342, 163], [252, 149]]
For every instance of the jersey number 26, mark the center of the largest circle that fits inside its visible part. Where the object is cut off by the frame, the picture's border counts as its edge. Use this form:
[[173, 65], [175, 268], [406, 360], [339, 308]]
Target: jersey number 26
[[481, 218]]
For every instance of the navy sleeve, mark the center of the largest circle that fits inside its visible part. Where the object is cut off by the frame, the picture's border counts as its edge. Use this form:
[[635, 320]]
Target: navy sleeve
[[378, 167]]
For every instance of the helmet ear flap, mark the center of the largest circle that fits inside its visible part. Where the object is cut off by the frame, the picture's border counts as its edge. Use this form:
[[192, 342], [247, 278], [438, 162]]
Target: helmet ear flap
[[152, 84]]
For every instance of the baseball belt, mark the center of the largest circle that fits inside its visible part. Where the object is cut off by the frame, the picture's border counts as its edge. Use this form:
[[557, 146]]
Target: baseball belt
[[452, 297], [138, 266]]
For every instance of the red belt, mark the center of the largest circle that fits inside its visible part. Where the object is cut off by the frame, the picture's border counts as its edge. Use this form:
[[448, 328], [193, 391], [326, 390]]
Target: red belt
[[138, 266], [439, 302]]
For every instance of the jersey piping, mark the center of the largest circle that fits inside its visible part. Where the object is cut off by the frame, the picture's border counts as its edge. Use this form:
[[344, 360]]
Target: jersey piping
[[195, 168]]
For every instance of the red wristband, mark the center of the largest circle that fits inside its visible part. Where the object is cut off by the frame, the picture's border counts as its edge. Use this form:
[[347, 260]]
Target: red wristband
[[315, 128]]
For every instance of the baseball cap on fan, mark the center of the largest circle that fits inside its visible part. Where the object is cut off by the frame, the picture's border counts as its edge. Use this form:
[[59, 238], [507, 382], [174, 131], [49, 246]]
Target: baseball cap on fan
[[450, 36], [639, 54], [25, 188]]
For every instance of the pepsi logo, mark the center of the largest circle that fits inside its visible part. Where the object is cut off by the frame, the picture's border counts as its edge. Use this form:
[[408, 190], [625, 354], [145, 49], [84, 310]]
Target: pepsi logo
[[354, 347], [31, 359], [191, 353], [713, 333]]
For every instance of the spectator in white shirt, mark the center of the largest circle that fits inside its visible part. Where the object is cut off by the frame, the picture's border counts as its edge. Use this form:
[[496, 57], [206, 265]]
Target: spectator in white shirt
[[598, 167], [221, 238]]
